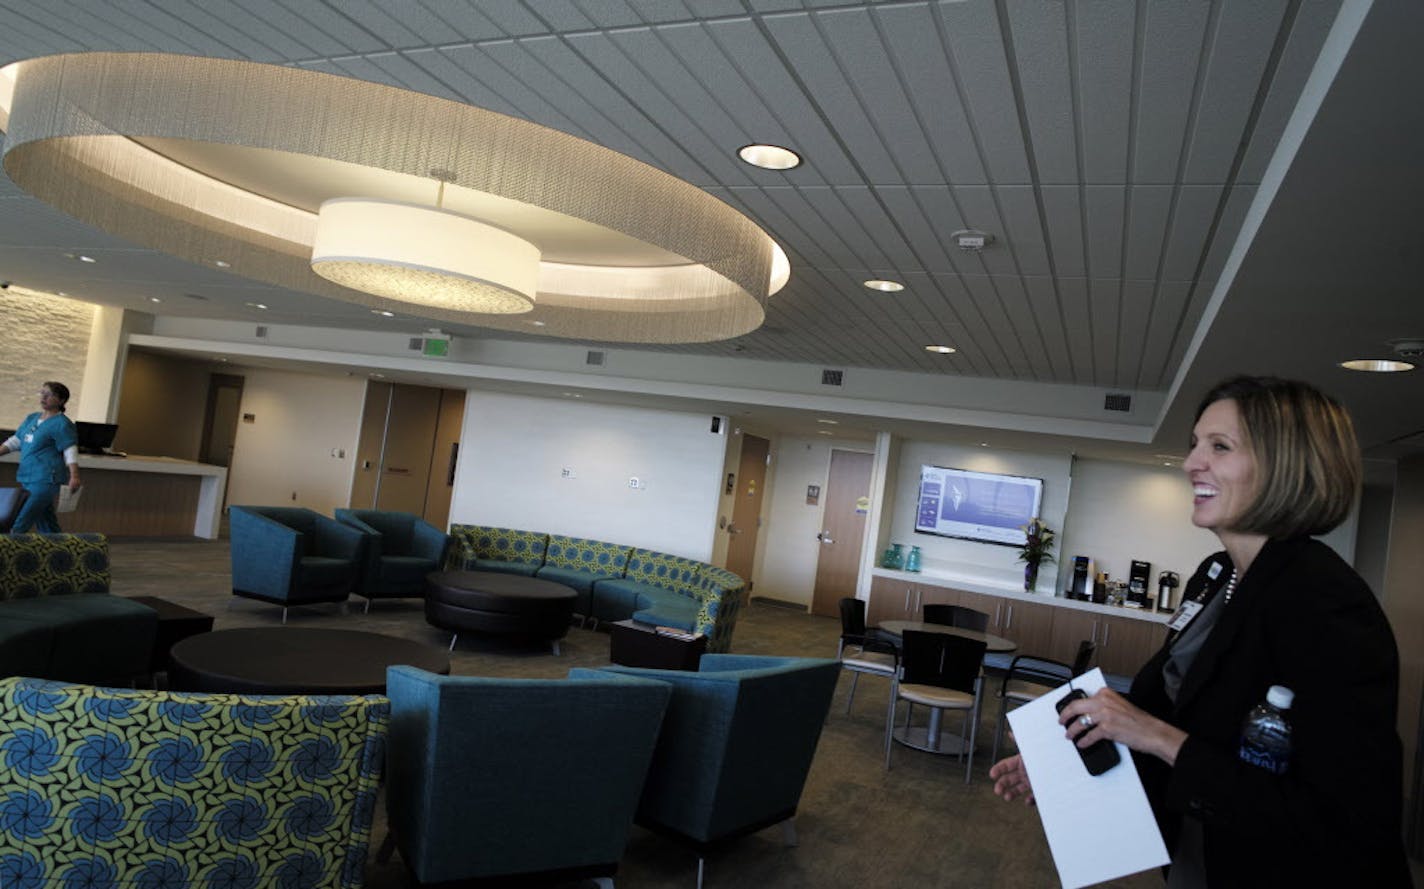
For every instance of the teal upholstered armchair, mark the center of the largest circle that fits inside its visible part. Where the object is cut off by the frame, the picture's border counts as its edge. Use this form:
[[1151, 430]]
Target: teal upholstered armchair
[[736, 746], [292, 556], [123, 788], [498, 779], [401, 549]]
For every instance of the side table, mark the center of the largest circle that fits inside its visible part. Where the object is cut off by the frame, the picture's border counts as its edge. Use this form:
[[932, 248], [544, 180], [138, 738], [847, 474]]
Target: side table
[[175, 623], [632, 644]]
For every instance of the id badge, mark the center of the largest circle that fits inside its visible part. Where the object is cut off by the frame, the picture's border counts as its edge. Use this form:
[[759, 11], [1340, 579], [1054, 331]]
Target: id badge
[[1184, 615]]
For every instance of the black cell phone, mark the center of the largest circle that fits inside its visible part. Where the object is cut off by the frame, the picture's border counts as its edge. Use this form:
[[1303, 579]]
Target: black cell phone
[[1099, 756]]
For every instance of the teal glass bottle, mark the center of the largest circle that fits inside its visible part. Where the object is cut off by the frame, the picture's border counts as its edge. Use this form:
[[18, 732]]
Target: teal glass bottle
[[894, 557], [912, 561]]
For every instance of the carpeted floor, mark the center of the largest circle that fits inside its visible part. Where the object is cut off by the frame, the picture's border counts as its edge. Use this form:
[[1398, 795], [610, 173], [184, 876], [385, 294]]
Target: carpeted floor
[[859, 825]]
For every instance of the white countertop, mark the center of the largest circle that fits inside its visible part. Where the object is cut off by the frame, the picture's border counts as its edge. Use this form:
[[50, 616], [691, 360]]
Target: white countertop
[[992, 587]]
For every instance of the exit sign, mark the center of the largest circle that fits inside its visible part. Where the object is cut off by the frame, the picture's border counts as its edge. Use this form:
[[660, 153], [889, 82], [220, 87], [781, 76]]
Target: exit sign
[[436, 348]]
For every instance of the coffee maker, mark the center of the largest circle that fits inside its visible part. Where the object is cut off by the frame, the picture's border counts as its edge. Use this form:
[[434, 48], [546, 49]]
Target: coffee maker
[[1166, 582], [1137, 580], [1080, 582]]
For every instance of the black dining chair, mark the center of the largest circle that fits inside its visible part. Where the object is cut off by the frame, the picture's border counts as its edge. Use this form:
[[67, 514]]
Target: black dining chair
[[957, 616], [941, 672], [1030, 677], [863, 649]]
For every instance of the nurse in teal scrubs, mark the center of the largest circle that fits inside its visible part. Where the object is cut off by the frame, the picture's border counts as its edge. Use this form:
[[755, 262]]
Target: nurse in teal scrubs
[[49, 457]]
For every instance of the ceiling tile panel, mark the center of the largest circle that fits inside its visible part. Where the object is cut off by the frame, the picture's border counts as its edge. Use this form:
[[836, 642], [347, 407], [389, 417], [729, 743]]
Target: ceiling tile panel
[[492, 85], [1023, 228], [831, 207], [700, 8], [1134, 312], [1106, 207], [976, 48], [914, 220], [519, 18], [436, 66], [340, 31], [1025, 345], [788, 219], [1105, 33], [979, 207], [1307, 35], [990, 334], [610, 13], [400, 68], [60, 25], [833, 99], [425, 21], [362, 68], [1044, 304], [156, 32], [1104, 299], [472, 23], [1171, 55], [886, 231], [372, 17], [1147, 209], [1040, 46], [762, 69], [1163, 325], [1078, 328], [1171, 358], [23, 39], [1197, 206], [1063, 210], [869, 62], [284, 44], [642, 69], [1228, 230], [1241, 47], [240, 38], [913, 41]]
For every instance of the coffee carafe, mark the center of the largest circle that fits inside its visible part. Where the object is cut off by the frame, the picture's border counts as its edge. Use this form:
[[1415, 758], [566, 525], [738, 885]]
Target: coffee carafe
[[1166, 582]]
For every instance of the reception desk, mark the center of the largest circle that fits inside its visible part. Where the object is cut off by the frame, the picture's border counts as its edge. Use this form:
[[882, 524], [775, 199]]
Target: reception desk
[[142, 496]]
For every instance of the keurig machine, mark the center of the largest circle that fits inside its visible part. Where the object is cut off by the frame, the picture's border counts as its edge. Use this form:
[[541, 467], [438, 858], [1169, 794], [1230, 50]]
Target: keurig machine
[[1080, 585], [1137, 580]]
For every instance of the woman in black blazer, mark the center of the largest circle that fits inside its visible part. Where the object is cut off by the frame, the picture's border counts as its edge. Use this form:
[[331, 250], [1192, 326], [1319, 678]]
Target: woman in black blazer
[[1272, 462]]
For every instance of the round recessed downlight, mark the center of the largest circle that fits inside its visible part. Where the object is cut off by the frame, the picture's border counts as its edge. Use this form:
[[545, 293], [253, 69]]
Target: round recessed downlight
[[942, 350], [884, 286], [769, 157], [1378, 366]]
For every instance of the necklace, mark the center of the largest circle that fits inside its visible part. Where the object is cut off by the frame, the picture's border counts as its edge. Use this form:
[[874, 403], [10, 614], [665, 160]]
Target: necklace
[[1230, 587]]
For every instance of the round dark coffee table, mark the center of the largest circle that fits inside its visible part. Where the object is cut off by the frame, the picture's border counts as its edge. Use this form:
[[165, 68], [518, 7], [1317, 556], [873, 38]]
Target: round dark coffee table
[[295, 660], [499, 604]]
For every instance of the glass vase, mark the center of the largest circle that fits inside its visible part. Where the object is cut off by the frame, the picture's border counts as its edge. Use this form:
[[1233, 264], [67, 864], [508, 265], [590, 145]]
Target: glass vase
[[1030, 576], [912, 561], [894, 557]]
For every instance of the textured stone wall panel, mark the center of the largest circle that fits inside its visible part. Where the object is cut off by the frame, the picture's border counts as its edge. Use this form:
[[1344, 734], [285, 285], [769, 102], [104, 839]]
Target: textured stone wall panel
[[41, 338]]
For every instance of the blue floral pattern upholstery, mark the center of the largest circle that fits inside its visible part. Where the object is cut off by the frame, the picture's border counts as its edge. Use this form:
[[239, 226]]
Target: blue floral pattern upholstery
[[721, 596], [593, 556], [116, 788], [483, 548], [34, 565]]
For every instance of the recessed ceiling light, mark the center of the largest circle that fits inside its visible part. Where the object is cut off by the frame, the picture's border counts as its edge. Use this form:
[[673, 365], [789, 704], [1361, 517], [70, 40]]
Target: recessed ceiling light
[[222, 263], [383, 313], [983, 444], [885, 286], [82, 258], [942, 350], [1379, 366], [572, 395], [537, 323], [258, 305], [154, 299], [1165, 463], [769, 157], [828, 422], [62, 293], [376, 376], [824, 432]]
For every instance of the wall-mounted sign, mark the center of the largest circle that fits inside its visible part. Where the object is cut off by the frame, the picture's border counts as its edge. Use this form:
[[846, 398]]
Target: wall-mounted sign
[[731, 482], [862, 505], [813, 495]]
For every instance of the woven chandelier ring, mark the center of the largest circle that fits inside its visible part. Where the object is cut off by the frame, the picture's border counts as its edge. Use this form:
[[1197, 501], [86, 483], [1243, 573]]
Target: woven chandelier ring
[[385, 198]]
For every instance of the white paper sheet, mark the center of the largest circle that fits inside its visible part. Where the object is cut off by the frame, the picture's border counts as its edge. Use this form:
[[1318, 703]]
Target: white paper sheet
[[68, 499], [1099, 828]]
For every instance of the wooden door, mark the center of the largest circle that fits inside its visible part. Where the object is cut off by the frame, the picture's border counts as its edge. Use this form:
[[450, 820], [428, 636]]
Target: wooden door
[[220, 419], [446, 451], [746, 508], [369, 444], [410, 440], [842, 533]]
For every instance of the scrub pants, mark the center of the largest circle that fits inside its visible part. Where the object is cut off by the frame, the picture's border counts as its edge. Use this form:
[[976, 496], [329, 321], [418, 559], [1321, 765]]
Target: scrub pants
[[38, 512]]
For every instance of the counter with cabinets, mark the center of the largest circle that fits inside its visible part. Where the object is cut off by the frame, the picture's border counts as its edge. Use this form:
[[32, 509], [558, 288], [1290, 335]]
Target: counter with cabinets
[[1042, 625]]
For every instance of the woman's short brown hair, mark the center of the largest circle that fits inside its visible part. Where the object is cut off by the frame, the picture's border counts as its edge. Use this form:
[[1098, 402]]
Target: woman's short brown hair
[[59, 390], [1308, 467]]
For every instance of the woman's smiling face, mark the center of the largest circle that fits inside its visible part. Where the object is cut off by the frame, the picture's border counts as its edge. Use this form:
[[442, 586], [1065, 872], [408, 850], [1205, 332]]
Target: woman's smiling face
[[1221, 467]]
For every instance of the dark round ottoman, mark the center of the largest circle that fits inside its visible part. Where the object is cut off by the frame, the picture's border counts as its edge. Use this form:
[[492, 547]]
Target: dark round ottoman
[[498, 604], [295, 660]]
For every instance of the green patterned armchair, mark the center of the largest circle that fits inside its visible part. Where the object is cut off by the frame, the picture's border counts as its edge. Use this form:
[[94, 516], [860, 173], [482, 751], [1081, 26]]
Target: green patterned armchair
[[112, 787], [507, 550]]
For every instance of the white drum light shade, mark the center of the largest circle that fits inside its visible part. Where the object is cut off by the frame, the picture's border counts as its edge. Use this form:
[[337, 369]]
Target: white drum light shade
[[424, 256]]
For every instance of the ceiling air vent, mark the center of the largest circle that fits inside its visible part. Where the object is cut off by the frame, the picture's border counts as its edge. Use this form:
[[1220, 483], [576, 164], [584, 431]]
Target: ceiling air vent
[[261, 331], [832, 377], [594, 359], [1117, 401], [417, 343]]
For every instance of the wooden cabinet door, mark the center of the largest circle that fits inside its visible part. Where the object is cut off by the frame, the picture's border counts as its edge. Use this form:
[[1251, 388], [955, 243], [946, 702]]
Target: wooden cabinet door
[[1070, 627], [1125, 644], [927, 594], [994, 606], [1028, 624], [890, 599]]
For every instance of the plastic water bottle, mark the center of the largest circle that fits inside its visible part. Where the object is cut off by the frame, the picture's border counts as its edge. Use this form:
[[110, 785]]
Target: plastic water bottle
[[1265, 736]]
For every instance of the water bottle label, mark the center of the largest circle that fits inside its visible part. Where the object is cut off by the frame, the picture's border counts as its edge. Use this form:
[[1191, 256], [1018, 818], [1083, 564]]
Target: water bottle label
[[1265, 759]]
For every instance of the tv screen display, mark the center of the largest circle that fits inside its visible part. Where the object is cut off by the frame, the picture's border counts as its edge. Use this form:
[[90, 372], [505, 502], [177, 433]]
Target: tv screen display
[[95, 437], [983, 506]]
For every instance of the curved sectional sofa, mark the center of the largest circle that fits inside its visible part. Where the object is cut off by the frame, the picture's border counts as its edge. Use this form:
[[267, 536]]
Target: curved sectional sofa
[[613, 581]]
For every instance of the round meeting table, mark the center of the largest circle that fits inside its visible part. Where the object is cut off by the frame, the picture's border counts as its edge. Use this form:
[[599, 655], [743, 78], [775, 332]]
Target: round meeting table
[[295, 660], [994, 644]]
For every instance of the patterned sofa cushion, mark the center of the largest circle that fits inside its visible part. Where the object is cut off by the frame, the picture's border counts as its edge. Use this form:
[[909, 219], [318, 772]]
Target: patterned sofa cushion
[[721, 600], [664, 570], [509, 550], [113, 787], [579, 563], [33, 565]]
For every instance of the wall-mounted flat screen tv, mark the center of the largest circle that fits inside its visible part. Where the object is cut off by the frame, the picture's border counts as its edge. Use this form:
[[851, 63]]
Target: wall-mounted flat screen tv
[[983, 506]]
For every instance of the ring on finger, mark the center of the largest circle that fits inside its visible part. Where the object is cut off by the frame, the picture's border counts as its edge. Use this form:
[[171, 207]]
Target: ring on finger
[[1086, 720]]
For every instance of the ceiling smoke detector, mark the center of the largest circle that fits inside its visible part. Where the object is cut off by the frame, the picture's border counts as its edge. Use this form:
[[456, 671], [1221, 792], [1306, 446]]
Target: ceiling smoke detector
[[972, 240]]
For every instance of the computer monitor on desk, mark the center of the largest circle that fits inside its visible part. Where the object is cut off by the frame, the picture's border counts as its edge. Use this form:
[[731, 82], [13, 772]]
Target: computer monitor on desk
[[95, 438]]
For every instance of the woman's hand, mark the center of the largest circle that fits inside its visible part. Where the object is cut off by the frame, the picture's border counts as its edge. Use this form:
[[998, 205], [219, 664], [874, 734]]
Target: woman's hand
[[1108, 714], [1011, 780]]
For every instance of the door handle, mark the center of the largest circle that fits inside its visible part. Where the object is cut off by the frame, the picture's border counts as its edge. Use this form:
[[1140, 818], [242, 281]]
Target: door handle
[[998, 608], [733, 529], [1107, 631], [908, 591], [825, 537], [1010, 622]]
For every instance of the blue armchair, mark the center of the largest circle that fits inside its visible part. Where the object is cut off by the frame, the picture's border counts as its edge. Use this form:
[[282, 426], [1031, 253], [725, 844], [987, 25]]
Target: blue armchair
[[496, 780], [736, 746], [401, 549], [292, 556]]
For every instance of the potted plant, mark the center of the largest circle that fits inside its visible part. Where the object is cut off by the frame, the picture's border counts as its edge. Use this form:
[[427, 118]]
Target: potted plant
[[1037, 549]]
